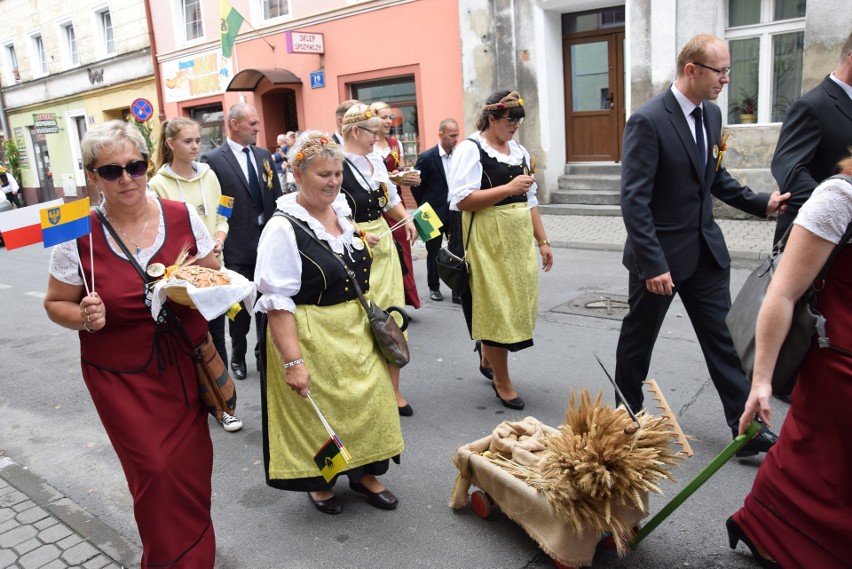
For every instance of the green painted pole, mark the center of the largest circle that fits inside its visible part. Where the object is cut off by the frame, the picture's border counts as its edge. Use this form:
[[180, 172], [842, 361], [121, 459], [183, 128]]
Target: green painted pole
[[696, 483]]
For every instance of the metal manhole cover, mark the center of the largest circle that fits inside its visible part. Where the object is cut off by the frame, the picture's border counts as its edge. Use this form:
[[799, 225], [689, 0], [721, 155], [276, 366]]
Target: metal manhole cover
[[599, 305]]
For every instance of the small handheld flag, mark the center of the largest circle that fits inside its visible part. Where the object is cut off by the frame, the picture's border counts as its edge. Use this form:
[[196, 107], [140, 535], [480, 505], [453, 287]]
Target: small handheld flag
[[21, 227], [427, 222], [332, 457], [226, 206], [65, 222]]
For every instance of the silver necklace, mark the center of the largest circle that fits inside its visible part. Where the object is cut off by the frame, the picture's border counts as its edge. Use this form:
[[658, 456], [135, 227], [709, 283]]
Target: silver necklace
[[145, 227]]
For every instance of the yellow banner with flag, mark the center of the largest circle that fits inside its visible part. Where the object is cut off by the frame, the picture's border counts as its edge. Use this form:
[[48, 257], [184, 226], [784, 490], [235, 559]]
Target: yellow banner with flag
[[229, 24]]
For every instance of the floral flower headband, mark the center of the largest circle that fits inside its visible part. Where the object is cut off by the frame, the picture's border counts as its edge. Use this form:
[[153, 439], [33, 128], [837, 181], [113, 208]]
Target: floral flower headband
[[368, 114], [510, 101], [315, 144]]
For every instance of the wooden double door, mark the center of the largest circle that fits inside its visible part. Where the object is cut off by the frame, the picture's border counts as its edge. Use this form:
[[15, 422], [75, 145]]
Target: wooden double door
[[594, 95]]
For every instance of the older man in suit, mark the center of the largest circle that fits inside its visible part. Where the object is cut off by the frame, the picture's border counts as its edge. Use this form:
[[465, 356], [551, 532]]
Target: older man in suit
[[245, 173], [434, 166], [816, 134], [668, 176]]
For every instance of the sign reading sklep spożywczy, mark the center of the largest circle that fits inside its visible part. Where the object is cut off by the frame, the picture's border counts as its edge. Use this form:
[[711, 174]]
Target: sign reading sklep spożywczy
[[304, 42]]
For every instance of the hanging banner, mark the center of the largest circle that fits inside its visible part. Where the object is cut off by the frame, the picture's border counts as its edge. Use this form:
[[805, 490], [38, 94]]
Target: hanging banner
[[201, 75]]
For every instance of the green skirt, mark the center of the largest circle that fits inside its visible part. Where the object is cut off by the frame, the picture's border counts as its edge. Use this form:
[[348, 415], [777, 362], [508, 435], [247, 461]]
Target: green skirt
[[350, 385], [504, 273], [386, 272]]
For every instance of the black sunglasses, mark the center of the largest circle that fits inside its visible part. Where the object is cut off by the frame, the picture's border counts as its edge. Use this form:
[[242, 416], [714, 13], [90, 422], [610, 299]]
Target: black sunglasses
[[112, 172]]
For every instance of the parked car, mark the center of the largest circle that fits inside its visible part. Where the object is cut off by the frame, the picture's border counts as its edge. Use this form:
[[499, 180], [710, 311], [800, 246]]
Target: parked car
[[5, 205]]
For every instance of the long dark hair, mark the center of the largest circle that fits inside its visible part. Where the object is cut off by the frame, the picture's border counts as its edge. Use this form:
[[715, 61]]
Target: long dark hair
[[511, 113]]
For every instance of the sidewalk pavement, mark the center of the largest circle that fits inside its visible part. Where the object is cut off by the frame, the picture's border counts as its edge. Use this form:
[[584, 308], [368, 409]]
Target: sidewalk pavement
[[41, 528]]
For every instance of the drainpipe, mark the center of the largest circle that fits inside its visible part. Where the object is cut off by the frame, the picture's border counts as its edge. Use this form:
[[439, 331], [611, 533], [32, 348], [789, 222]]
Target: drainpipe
[[4, 125], [153, 43]]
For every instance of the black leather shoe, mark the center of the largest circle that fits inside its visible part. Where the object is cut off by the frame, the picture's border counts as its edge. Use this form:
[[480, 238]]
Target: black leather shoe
[[406, 410], [736, 534], [456, 298], [384, 500], [330, 506], [517, 403], [761, 443], [486, 371], [239, 369]]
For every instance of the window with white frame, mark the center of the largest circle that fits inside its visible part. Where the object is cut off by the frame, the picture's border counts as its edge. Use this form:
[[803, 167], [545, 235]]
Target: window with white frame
[[193, 27], [766, 39], [13, 74], [103, 21], [69, 44], [274, 8], [39, 56]]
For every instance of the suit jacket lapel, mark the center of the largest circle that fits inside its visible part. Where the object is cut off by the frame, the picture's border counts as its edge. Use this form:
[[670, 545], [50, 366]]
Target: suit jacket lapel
[[439, 164], [841, 99], [714, 136], [682, 129], [232, 162]]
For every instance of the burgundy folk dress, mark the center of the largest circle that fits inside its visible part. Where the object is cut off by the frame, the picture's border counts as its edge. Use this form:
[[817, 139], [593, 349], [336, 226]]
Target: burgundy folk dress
[[392, 162], [143, 385], [800, 507]]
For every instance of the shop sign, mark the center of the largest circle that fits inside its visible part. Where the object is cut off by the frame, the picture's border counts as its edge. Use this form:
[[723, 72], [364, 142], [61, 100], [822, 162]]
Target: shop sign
[[45, 123], [21, 143], [198, 76], [305, 42]]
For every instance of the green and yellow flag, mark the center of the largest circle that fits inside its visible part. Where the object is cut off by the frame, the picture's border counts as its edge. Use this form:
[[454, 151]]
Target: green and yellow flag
[[427, 222], [330, 459], [229, 21]]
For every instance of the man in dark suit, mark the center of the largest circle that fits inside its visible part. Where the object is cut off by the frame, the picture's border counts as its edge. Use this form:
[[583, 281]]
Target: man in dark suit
[[669, 173], [245, 173], [434, 166], [816, 134]]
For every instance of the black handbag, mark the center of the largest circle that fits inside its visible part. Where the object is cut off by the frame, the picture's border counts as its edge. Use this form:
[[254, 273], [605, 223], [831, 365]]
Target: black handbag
[[454, 271], [387, 333], [807, 320]]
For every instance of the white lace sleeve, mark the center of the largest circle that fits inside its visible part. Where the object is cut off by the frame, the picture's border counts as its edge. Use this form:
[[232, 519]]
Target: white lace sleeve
[[203, 242], [278, 272], [828, 211], [465, 173], [65, 263]]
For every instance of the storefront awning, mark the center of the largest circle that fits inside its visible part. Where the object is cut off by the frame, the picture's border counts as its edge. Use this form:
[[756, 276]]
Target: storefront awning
[[248, 79]]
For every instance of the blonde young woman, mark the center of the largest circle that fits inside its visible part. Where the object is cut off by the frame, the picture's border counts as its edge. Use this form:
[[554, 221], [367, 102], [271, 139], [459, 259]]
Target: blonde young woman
[[390, 150], [369, 193], [181, 178]]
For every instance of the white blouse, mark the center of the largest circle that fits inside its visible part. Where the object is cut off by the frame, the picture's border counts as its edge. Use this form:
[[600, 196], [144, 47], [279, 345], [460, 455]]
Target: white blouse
[[828, 211], [278, 272], [466, 169], [379, 175], [65, 263]]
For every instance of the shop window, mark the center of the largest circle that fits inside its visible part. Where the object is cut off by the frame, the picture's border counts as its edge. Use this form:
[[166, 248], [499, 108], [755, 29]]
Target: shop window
[[193, 27], [212, 121], [399, 93], [766, 39], [274, 8], [13, 74]]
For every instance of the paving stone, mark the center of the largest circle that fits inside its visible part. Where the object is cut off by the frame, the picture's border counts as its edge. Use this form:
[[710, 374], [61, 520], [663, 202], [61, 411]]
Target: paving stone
[[3, 483], [25, 505], [6, 489], [27, 546], [12, 498], [18, 535], [56, 564], [32, 515], [54, 533], [98, 562], [39, 557], [6, 514], [46, 523], [7, 525], [80, 553], [114, 566], [69, 542], [7, 558]]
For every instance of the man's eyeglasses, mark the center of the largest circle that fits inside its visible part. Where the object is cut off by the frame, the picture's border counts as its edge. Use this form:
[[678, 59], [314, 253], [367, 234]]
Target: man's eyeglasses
[[371, 131], [112, 172], [514, 122], [720, 72]]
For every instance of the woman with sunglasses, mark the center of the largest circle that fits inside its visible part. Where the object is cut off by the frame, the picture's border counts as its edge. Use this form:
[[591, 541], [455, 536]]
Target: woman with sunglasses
[[369, 192], [391, 152], [491, 183], [180, 177], [138, 371]]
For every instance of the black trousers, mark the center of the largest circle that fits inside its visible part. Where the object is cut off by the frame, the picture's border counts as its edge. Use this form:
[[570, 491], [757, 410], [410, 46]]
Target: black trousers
[[217, 332], [707, 298], [433, 246], [239, 327]]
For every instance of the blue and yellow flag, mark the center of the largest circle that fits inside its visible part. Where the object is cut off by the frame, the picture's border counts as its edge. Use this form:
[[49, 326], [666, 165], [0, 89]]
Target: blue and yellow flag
[[229, 25], [330, 459], [427, 222], [226, 206], [65, 222]]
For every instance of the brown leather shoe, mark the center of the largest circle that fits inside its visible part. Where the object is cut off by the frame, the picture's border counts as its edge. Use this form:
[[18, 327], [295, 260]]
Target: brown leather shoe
[[329, 506], [384, 500]]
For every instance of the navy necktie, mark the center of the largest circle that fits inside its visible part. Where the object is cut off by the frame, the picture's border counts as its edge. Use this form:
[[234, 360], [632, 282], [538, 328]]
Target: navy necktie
[[254, 185], [699, 137]]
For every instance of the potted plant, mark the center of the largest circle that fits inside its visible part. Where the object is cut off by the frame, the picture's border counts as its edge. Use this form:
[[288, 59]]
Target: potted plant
[[746, 107]]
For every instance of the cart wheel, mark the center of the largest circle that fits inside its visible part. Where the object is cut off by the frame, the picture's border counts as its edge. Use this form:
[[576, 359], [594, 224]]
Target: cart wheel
[[608, 542], [481, 503]]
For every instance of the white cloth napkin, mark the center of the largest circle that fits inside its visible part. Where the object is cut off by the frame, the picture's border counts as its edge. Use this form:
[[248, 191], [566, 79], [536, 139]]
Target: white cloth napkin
[[211, 301]]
